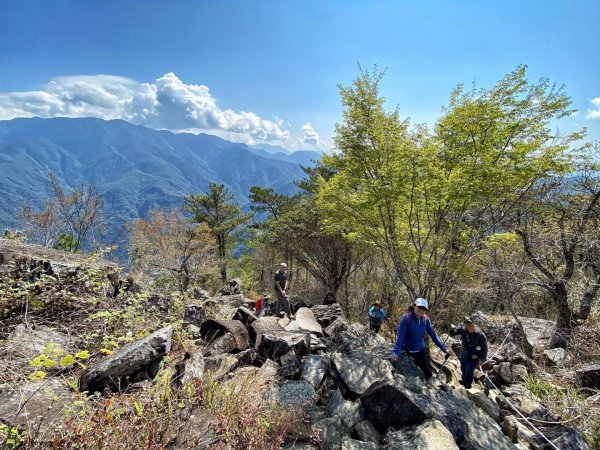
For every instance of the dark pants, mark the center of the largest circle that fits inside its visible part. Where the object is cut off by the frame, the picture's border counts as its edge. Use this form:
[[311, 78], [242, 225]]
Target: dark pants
[[282, 303], [467, 367], [421, 359], [374, 324]]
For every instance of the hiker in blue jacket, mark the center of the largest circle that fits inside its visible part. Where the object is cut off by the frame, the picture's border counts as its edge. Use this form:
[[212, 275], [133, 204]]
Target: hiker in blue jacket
[[376, 317], [411, 336]]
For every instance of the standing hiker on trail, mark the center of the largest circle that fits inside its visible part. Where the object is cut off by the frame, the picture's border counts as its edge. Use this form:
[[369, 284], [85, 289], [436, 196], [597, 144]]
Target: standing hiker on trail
[[281, 285], [411, 336], [376, 317], [473, 349]]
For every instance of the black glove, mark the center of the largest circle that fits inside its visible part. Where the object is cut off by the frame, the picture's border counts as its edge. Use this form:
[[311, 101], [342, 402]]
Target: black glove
[[447, 356]]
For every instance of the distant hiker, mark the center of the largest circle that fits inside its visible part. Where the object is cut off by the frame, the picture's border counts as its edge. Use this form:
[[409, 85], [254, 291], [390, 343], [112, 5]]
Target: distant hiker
[[281, 285], [263, 305], [376, 317], [411, 336], [473, 349], [329, 298]]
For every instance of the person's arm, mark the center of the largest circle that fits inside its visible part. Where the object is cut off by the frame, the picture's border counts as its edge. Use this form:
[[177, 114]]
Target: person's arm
[[435, 337], [278, 285], [484, 348], [399, 337], [371, 311]]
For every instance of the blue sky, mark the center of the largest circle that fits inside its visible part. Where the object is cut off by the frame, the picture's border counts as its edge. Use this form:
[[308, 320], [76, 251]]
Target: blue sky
[[267, 71]]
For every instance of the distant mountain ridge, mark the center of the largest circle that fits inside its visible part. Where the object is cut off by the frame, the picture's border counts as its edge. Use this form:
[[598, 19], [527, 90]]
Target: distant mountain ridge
[[134, 167]]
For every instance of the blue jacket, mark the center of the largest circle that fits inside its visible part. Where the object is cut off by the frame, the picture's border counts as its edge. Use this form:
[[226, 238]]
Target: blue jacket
[[412, 338], [376, 314]]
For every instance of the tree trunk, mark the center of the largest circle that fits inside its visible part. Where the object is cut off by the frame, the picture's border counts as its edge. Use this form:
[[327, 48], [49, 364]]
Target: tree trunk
[[563, 329]]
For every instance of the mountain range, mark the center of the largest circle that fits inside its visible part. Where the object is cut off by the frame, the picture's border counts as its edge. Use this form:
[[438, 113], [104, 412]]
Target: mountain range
[[133, 167]]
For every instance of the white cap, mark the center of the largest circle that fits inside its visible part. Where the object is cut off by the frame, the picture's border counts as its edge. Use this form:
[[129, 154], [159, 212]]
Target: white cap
[[421, 302], [283, 265]]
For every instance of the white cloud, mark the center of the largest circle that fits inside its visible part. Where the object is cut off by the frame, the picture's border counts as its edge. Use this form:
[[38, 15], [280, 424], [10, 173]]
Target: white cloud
[[310, 137], [167, 103], [594, 112]]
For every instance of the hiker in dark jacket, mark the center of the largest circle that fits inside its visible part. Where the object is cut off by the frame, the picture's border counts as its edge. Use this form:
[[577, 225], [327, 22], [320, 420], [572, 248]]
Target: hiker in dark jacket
[[473, 349], [411, 336], [376, 317]]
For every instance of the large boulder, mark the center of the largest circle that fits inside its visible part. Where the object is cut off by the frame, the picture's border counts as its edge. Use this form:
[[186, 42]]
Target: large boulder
[[358, 336], [194, 315], [221, 345], [262, 326], [136, 361], [361, 368], [313, 370], [588, 377], [275, 345], [189, 369], [326, 314], [430, 435], [212, 329], [385, 405], [27, 343], [305, 321], [299, 394], [36, 407]]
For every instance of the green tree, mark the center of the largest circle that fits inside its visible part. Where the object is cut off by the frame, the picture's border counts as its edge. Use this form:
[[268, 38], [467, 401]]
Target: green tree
[[222, 216], [426, 198]]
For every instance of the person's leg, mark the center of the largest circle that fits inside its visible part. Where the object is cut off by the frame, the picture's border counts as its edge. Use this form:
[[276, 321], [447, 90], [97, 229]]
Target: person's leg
[[468, 374], [422, 362], [464, 359], [278, 304], [376, 328], [288, 310]]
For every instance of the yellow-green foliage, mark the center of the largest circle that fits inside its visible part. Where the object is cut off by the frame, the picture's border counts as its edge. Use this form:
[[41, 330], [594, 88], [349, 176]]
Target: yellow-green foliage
[[54, 357]]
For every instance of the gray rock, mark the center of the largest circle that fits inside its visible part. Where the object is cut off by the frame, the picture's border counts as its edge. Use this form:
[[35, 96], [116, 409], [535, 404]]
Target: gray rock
[[405, 366], [555, 356], [326, 314], [190, 369], [290, 365], [386, 405], [588, 377], [198, 432], [313, 370], [361, 368], [275, 345], [27, 343], [194, 315], [245, 315], [262, 326], [294, 394], [305, 321], [357, 336], [538, 332], [519, 373], [136, 361], [330, 432], [490, 407], [353, 444], [515, 430], [224, 344], [212, 329], [430, 435], [41, 404], [367, 432], [563, 437], [336, 327]]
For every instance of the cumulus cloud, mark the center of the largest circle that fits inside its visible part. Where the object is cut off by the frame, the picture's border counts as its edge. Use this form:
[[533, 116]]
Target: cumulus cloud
[[594, 111], [310, 137], [166, 103]]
